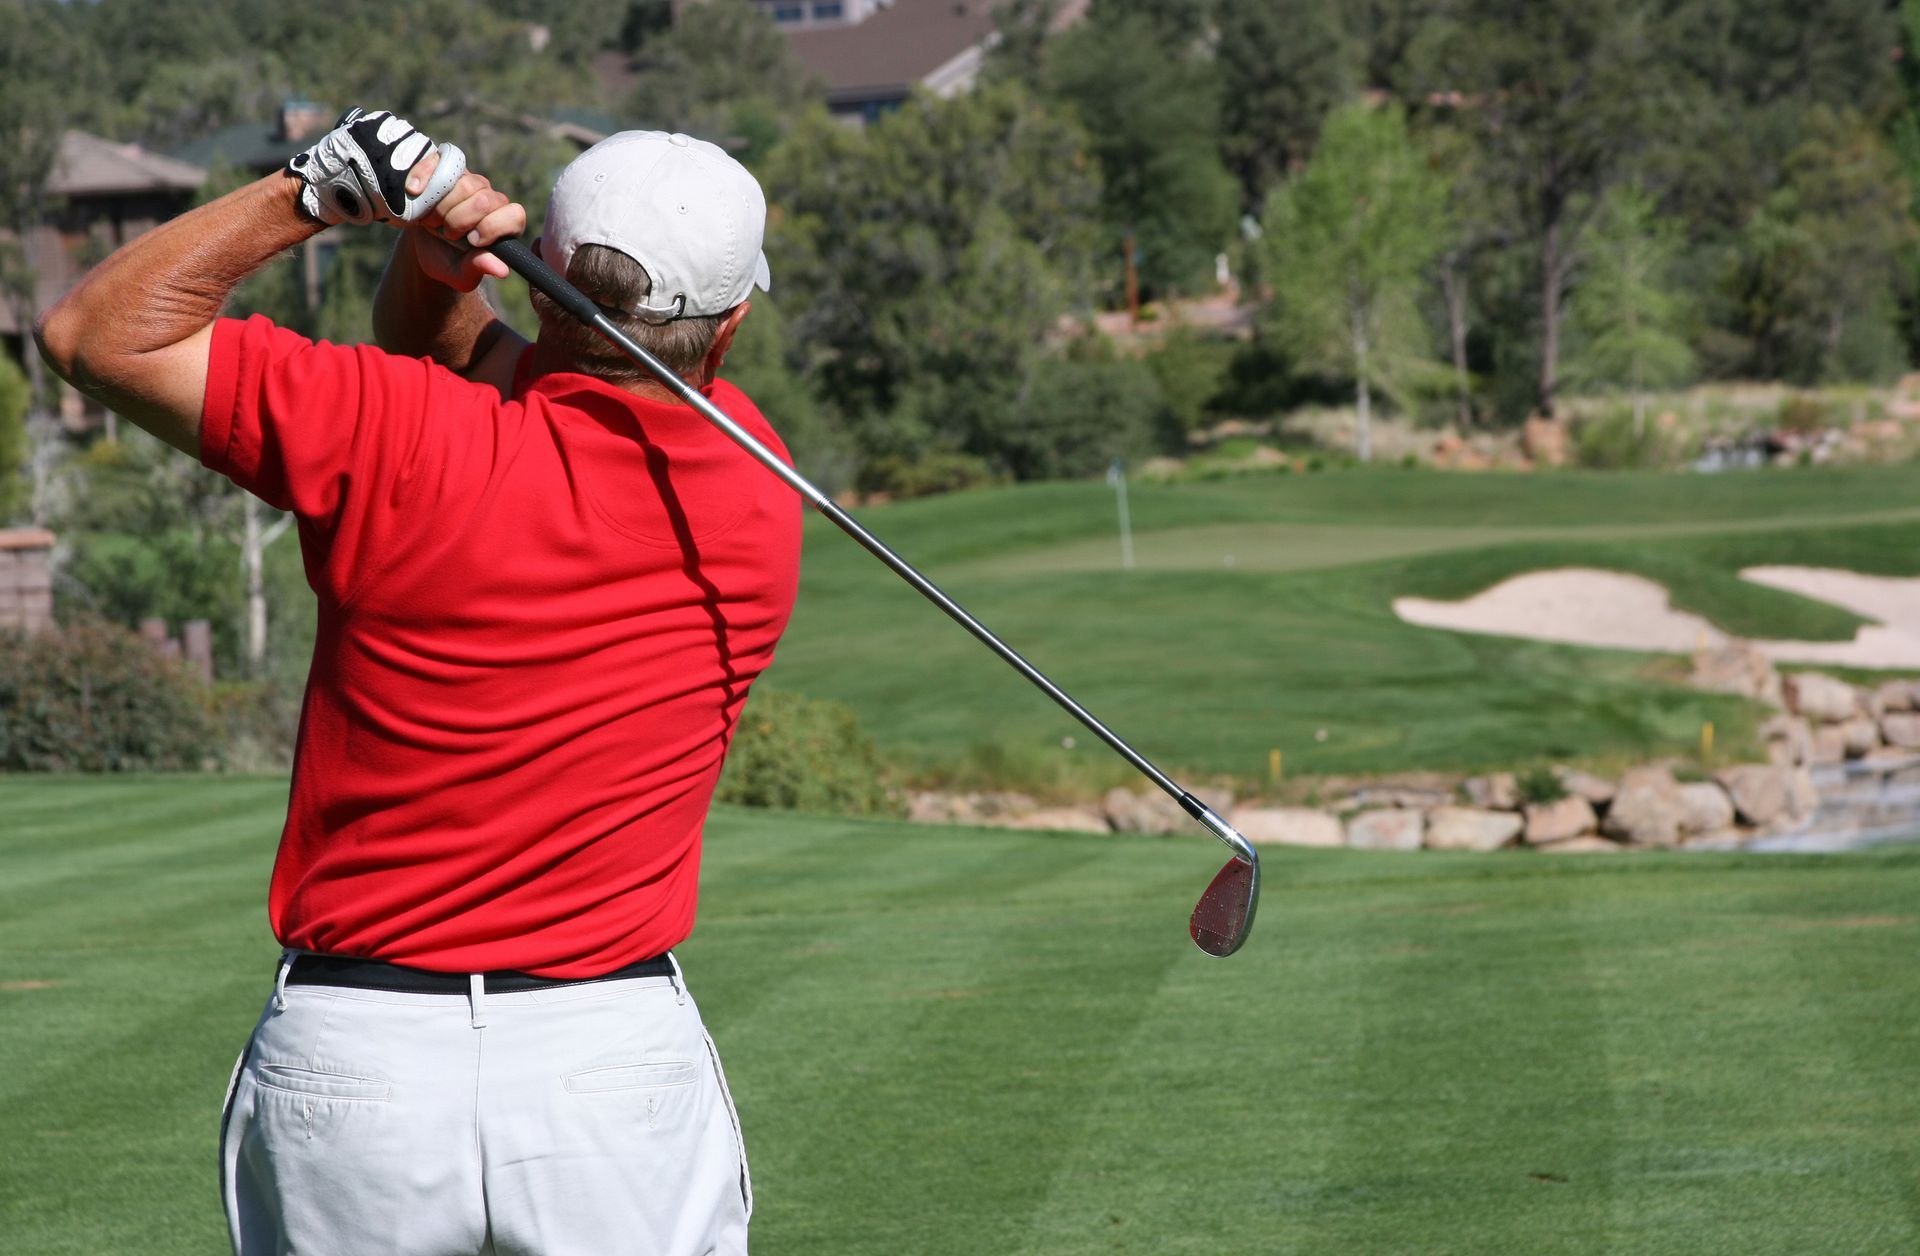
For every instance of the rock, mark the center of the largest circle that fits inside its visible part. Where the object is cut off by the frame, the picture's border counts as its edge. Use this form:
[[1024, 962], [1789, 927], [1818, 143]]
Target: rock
[[1401, 796], [1062, 819], [1719, 839], [1596, 790], [1648, 809], [1829, 746], [1466, 828], [1737, 668], [1289, 826], [1499, 791], [1544, 440], [1821, 698], [1765, 794], [1582, 846], [1789, 740], [1003, 806], [1901, 731], [1559, 821], [929, 807], [1893, 696], [1392, 829], [1708, 809], [1860, 736], [1128, 812]]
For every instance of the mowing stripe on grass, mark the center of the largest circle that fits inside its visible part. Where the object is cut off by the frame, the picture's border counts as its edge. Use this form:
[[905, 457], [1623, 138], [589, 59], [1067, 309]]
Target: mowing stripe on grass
[[1413, 1054]]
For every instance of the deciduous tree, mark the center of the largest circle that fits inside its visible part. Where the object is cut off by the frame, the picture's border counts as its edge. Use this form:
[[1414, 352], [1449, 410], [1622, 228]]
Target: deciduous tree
[[1626, 320], [1351, 238]]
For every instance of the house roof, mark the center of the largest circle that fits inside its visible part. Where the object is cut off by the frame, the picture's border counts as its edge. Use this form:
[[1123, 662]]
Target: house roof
[[255, 146], [895, 48], [91, 166]]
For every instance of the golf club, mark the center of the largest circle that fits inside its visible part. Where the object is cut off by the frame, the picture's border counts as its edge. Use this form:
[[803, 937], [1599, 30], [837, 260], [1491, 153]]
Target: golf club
[[1224, 913]]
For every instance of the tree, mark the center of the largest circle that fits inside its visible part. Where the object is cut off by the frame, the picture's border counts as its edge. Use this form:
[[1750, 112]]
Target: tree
[[1283, 64], [1152, 116], [1560, 96], [723, 63], [1814, 284], [1350, 239], [1625, 320], [923, 261], [13, 437]]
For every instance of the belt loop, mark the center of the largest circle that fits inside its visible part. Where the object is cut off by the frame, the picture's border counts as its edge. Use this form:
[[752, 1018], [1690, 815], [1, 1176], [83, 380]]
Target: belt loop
[[679, 981], [280, 979], [477, 998]]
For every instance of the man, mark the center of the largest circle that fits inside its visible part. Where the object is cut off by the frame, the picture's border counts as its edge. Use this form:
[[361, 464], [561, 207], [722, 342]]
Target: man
[[545, 587]]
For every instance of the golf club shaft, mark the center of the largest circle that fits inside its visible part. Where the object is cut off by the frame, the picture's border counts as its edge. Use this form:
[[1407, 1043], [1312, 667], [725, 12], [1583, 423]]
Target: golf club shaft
[[535, 271]]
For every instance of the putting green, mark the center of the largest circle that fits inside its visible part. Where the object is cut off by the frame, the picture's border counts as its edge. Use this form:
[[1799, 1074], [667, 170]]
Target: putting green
[[1295, 647], [1310, 546]]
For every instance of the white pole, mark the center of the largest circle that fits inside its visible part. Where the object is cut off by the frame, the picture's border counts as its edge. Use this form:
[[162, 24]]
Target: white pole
[[1117, 476]]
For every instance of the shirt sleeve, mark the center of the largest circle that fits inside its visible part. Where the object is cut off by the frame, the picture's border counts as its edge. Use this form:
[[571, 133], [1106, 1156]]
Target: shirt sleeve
[[337, 434]]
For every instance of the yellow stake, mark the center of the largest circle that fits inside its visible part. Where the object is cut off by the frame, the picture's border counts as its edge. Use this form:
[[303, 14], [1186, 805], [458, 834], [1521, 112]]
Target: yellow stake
[[1273, 766], [1706, 742]]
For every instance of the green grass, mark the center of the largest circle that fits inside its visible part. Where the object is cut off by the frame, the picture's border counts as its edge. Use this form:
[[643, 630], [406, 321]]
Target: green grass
[[962, 1041], [1209, 664]]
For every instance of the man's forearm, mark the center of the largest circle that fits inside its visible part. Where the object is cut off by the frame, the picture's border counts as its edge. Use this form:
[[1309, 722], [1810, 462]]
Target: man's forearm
[[420, 317], [132, 334]]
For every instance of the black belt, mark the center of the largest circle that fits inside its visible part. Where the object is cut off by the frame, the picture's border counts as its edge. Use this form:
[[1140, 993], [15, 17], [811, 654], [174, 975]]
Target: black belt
[[373, 974]]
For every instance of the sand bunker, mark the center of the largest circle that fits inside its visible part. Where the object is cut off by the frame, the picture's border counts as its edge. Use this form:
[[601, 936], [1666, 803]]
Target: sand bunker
[[1610, 609]]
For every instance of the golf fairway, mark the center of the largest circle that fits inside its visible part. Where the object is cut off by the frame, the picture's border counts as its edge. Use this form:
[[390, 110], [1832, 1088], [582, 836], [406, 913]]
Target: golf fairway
[[967, 1041]]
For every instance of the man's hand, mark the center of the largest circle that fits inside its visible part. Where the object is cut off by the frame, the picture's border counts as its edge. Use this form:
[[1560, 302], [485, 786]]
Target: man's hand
[[357, 172], [471, 216]]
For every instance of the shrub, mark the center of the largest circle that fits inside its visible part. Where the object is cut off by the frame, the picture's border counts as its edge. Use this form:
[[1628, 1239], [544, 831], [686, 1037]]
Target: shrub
[[1075, 417], [1614, 441], [93, 697], [1540, 785], [1191, 369], [805, 755], [1807, 413], [902, 477]]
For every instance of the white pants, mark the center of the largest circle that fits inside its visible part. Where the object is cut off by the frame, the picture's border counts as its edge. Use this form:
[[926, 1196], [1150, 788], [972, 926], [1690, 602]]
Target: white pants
[[588, 1120]]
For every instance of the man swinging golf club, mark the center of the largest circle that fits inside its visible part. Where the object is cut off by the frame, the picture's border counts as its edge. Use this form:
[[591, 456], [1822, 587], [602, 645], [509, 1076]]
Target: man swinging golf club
[[545, 586]]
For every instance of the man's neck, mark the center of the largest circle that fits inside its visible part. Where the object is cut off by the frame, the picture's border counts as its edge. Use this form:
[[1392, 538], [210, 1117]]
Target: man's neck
[[546, 362]]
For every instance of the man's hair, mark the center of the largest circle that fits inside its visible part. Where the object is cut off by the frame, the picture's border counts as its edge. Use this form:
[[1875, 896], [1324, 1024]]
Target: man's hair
[[616, 283]]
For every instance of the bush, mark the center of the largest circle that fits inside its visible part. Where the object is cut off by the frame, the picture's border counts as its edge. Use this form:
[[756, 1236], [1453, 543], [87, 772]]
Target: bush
[[1614, 442], [92, 697], [901, 477], [1540, 786], [1807, 413], [1191, 369], [804, 755], [1076, 417]]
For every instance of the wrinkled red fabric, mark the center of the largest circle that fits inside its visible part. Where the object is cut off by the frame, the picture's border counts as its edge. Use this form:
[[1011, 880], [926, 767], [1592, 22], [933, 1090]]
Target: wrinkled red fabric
[[538, 622]]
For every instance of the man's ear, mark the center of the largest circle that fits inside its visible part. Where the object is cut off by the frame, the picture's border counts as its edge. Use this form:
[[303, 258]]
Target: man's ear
[[723, 338]]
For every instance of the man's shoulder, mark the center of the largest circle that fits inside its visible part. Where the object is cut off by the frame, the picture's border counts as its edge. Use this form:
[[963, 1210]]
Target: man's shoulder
[[741, 409]]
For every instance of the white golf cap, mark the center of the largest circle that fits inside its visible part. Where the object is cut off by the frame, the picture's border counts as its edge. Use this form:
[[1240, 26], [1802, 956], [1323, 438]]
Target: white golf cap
[[680, 207]]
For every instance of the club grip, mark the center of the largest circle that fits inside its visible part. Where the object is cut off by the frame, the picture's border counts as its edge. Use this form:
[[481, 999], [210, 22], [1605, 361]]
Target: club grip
[[529, 265]]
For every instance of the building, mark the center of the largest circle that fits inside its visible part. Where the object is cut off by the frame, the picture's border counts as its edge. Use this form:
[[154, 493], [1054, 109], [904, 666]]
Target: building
[[102, 195], [870, 55]]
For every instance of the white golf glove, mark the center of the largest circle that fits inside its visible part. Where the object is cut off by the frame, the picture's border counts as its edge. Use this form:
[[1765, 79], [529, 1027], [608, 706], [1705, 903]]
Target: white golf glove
[[357, 173]]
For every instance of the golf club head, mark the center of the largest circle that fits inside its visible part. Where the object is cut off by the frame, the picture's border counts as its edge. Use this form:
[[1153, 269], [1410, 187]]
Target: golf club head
[[1224, 914]]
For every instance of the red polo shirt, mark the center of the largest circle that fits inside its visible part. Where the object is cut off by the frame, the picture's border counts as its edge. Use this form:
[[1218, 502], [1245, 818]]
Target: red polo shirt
[[538, 619]]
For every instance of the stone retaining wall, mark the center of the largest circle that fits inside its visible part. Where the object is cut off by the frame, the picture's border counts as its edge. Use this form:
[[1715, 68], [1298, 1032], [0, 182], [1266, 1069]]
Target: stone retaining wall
[[1826, 727]]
